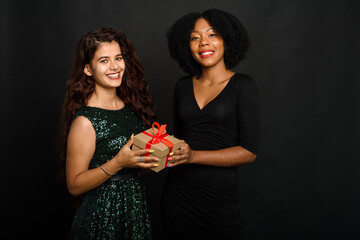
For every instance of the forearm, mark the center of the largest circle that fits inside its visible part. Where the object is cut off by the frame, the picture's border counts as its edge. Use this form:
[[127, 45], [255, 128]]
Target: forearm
[[227, 157], [90, 179]]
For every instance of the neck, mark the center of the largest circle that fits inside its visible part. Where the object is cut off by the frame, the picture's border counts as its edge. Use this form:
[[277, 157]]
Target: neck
[[105, 98], [215, 74]]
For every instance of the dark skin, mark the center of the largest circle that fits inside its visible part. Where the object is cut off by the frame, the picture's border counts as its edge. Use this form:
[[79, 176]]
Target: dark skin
[[207, 49]]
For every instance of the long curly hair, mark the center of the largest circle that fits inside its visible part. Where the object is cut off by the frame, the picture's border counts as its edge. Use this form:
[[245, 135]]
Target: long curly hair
[[134, 90], [234, 34]]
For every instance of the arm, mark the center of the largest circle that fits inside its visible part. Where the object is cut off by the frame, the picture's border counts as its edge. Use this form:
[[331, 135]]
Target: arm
[[80, 149], [248, 133], [227, 157]]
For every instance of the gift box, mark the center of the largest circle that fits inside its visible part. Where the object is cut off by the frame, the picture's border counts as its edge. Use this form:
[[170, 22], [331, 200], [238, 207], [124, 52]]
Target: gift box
[[158, 140]]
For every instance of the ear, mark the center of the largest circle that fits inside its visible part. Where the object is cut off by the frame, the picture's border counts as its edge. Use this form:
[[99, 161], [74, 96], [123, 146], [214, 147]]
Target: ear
[[87, 70]]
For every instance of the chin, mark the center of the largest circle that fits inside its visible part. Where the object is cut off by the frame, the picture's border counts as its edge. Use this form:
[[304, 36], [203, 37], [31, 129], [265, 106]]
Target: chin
[[115, 85], [207, 65]]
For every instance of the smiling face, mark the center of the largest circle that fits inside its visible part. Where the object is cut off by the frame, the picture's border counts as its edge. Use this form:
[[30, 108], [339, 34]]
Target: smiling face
[[107, 66], [206, 46]]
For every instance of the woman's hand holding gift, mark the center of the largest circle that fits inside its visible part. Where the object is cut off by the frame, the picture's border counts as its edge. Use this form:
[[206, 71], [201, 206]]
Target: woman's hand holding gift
[[180, 156]]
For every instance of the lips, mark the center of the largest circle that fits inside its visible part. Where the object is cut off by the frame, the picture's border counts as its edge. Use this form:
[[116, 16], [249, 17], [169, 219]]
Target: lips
[[113, 76], [206, 53]]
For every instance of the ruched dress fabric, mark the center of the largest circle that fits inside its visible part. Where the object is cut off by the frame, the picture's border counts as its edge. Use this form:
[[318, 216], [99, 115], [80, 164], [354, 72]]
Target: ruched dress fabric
[[202, 201], [115, 209]]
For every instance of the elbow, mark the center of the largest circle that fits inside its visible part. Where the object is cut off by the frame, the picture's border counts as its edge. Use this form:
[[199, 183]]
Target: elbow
[[74, 186], [75, 193], [245, 159], [250, 155], [252, 158], [247, 155], [73, 190]]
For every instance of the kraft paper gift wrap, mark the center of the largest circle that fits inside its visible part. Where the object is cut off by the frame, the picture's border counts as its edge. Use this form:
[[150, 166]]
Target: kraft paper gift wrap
[[158, 140]]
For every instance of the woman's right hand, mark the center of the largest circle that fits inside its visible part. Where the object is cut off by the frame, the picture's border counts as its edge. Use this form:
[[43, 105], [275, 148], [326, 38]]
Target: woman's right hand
[[126, 158], [181, 156]]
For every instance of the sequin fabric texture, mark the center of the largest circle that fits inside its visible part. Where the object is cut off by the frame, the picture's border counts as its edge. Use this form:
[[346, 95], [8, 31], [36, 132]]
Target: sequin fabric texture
[[114, 210]]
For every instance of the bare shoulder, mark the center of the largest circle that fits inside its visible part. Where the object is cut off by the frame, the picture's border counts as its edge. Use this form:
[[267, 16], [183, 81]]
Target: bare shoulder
[[82, 128], [81, 122]]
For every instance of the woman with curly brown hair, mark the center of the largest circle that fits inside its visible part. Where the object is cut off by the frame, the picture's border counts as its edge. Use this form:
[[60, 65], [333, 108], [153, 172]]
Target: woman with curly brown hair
[[216, 113], [107, 100]]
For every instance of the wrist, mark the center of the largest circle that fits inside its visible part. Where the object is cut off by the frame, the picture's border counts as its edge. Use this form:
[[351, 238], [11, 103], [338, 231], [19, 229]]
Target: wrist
[[191, 157], [106, 172], [112, 166], [118, 163]]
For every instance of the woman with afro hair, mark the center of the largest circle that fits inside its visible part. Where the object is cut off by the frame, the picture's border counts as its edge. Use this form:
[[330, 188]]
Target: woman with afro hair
[[216, 113]]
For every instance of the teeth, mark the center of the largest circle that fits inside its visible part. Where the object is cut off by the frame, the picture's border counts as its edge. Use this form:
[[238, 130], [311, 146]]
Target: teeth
[[113, 75], [206, 53]]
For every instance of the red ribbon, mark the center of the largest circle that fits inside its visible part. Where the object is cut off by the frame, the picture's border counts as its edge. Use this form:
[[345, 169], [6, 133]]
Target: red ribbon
[[159, 136]]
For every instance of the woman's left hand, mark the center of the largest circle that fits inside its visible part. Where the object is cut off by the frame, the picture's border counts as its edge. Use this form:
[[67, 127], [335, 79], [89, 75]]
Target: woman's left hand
[[181, 155]]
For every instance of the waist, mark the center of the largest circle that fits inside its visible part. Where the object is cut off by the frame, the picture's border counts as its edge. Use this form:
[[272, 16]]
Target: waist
[[193, 175], [124, 176]]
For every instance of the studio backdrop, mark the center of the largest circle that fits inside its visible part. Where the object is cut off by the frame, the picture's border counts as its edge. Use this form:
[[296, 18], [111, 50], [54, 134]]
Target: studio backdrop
[[304, 57]]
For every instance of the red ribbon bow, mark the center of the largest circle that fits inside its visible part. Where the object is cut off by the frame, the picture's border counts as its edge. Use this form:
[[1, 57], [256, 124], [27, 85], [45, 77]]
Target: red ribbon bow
[[159, 136]]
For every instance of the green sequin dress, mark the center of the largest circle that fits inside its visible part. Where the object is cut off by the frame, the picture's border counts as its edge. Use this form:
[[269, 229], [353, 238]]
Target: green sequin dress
[[115, 209]]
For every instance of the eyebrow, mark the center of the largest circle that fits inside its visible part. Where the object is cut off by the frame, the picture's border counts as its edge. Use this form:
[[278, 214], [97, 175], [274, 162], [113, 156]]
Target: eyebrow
[[108, 57]]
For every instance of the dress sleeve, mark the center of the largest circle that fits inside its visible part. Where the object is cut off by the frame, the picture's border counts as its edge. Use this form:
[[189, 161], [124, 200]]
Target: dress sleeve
[[248, 112]]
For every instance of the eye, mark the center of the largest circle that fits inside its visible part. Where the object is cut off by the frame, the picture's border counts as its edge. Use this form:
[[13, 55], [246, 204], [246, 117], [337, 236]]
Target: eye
[[194, 38], [104, 61], [212, 35], [119, 58]]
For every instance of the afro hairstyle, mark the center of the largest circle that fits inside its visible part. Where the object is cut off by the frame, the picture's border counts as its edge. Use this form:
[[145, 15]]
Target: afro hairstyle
[[233, 33]]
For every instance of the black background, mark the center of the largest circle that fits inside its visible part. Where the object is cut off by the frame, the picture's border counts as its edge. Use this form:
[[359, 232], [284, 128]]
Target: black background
[[304, 58]]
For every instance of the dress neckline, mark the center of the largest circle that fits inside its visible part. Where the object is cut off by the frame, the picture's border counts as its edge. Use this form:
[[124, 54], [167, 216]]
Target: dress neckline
[[110, 110], [217, 96]]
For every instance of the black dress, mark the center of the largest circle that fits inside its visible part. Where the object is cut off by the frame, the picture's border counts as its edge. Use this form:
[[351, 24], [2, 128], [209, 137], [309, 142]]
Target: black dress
[[201, 201]]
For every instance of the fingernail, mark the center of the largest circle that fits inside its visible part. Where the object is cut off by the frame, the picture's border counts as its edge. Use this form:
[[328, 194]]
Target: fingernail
[[169, 158], [169, 166], [171, 154], [155, 165], [132, 135], [151, 151]]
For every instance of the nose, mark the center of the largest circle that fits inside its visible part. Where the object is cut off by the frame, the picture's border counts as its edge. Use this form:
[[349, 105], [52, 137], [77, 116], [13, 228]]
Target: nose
[[204, 42], [114, 65]]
